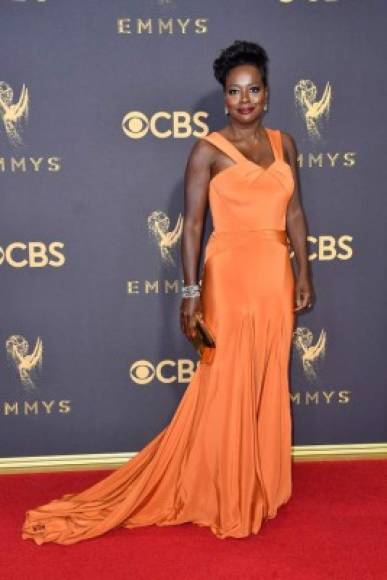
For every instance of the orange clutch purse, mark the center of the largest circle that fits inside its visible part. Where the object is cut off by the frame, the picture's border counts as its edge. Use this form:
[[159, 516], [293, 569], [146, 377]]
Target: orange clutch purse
[[204, 341]]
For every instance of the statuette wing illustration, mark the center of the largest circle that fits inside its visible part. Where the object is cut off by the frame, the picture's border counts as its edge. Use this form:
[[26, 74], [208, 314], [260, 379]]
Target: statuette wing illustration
[[166, 239]]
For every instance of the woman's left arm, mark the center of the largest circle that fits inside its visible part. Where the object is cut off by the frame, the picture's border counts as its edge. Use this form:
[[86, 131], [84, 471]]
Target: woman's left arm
[[297, 230]]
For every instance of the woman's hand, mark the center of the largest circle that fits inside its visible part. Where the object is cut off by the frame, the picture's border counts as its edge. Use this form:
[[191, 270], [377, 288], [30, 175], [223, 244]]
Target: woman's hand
[[304, 293], [190, 309]]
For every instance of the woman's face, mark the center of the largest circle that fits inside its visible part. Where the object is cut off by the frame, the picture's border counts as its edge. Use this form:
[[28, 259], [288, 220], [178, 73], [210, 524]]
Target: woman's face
[[245, 94]]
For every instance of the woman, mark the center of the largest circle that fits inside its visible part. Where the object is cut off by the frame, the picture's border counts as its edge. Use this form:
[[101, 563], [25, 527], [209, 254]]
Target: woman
[[224, 460]]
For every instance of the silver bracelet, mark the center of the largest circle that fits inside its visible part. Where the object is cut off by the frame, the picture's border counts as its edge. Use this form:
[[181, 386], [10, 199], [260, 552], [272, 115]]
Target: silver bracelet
[[190, 291]]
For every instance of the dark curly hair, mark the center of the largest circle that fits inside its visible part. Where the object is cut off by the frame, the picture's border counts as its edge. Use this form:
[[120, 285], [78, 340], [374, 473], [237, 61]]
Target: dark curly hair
[[241, 52]]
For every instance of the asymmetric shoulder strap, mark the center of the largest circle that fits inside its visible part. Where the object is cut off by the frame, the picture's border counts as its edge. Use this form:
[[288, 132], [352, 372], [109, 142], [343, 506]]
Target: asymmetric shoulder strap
[[225, 146], [276, 140]]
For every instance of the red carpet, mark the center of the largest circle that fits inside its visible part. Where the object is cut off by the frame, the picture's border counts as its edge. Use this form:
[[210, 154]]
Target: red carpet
[[334, 527]]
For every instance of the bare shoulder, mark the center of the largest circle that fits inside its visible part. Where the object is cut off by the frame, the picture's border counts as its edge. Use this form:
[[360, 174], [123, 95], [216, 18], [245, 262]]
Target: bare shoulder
[[289, 147], [202, 152], [288, 140], [289, 143]]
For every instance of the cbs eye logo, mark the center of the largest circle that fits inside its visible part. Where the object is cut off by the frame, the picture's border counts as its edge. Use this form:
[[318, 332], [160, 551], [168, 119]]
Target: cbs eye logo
[[142, 372], [165, 124]]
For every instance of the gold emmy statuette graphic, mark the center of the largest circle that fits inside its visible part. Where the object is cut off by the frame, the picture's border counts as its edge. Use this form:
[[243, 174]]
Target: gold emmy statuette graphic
[[313, 111], [158, 227], [17, 349], [309, 353], [12, 113]]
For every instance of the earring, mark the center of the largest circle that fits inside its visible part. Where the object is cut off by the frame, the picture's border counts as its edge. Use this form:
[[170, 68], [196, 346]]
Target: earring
[[265, 107], [226, 112]]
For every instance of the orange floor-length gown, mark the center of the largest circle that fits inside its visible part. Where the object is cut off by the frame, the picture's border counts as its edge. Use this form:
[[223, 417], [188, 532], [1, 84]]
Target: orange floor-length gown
[[224, 460]]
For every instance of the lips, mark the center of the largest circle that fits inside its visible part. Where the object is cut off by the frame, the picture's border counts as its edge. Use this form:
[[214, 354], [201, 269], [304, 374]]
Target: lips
[[245, 110]]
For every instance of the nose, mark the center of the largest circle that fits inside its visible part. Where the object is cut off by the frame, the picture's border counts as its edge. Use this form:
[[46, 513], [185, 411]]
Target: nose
[[245, 95]]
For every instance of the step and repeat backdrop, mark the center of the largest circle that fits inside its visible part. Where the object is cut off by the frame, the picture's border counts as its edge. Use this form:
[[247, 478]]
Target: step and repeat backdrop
[[101, 102]]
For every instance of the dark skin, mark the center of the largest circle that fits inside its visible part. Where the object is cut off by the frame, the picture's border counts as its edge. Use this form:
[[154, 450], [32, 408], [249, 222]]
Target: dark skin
[[243, 88]]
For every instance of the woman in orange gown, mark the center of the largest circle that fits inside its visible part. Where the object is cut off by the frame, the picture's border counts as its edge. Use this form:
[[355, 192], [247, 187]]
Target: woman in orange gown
[[224, 460]]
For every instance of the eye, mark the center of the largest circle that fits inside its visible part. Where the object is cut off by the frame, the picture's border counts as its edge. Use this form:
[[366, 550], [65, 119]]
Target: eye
[[232, 91], [255, 89]]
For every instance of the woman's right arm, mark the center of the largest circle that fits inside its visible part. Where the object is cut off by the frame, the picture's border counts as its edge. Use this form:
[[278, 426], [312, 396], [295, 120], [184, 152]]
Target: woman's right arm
[[196, 180]]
